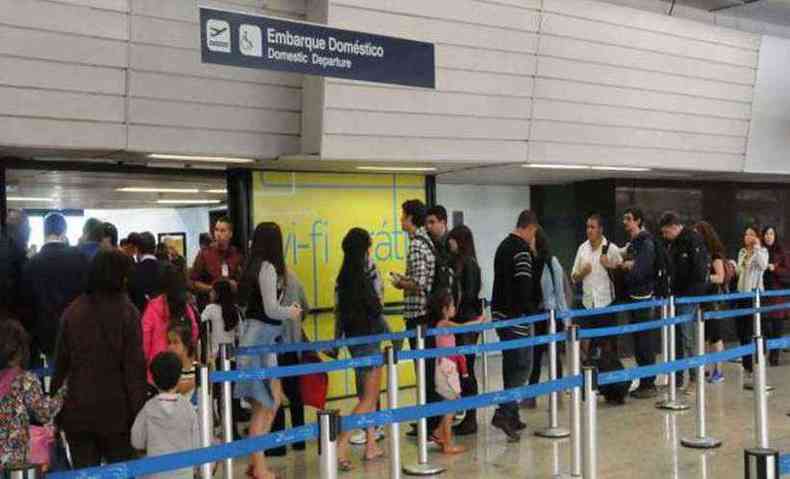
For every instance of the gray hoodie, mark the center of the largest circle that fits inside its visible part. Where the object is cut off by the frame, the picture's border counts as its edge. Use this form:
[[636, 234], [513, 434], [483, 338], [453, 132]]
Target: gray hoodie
[[167, 424]]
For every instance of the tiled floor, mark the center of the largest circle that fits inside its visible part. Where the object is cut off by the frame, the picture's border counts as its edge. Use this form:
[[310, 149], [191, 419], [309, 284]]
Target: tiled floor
[[635, 441]]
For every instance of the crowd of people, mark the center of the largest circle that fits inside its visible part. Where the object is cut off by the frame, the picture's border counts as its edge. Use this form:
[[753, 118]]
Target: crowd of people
[[121, 323]]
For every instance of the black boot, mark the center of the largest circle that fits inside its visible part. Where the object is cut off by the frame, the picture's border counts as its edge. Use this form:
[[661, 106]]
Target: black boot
[[468, 426]]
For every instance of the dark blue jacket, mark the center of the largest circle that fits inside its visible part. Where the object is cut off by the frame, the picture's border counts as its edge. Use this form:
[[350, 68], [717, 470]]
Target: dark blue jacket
[[640, 281]]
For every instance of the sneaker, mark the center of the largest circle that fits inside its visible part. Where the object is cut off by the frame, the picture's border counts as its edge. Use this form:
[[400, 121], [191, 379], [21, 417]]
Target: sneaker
[[645, 393], [506, 425], [716, 378]]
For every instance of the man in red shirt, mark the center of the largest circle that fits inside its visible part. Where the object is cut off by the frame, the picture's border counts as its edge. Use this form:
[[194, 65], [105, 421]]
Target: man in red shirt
[[221, 260]]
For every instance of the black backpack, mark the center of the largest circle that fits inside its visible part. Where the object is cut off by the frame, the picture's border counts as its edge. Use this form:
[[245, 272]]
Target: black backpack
[[443, 275], [617, 392]]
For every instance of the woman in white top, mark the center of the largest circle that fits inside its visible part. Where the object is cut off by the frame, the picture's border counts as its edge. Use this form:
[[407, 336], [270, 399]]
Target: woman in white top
[[262, 285], [752, 263]]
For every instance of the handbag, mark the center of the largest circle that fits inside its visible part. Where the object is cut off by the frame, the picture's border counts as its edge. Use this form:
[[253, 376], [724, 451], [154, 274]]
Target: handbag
[[41, 445], [447, 379], [313, 387]]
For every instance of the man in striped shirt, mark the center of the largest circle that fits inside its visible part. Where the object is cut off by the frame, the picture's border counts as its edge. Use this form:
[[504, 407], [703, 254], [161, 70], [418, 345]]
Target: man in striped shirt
[[516, 293]]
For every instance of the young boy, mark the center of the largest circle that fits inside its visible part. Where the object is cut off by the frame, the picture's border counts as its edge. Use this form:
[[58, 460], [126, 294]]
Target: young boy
[[167, 423]]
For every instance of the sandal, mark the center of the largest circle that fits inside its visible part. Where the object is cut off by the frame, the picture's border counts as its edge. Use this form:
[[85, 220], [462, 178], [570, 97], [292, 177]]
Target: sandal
[[376, 456], [345, 465]]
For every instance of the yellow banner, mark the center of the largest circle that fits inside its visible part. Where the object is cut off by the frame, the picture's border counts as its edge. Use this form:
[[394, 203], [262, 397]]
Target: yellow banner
[[316, 210]]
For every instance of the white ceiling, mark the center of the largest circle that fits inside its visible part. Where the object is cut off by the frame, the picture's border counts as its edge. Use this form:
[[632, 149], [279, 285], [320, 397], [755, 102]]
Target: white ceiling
[[92, 190]]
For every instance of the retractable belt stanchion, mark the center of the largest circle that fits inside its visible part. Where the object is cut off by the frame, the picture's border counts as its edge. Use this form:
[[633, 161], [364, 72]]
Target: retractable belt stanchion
[[701, 440], [574, 365], [758, 331], [590, 423], [227, 406], [761, 464], [204, 416], [391, 361], [422, 468], [665, 342], [553, 431], [760, 394], [672, 403], [328, 430]]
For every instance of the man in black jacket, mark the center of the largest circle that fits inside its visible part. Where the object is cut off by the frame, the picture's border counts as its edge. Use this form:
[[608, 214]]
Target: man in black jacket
[[689, 263], [50, 282], [641, 275], [145, 280], [514, 295]]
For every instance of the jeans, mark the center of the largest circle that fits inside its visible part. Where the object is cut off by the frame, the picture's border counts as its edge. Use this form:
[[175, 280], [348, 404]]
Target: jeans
[[516, 368], [645, 343], [685, 337]]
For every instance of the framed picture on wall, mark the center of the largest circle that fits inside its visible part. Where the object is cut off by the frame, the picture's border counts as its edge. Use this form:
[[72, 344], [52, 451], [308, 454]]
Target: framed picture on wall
[[174, 241]]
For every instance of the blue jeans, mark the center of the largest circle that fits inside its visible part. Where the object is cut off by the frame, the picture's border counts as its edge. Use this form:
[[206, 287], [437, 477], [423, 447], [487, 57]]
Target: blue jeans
[[516, 368], [685, 337]]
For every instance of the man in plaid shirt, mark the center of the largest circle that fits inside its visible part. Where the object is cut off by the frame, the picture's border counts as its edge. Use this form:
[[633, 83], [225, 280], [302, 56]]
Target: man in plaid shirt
[[416, 285]]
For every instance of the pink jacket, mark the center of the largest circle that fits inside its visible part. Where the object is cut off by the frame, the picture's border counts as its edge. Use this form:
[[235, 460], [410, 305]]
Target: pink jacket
[[155, 322]]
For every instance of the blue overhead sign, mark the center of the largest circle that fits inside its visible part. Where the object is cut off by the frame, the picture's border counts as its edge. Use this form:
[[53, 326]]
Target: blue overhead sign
[[252, 41]]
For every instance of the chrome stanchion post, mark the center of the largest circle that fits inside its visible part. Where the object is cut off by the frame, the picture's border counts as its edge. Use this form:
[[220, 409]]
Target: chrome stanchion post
[[665, 342], [553, 431], [227, 406], [702, 440], [758, 331], [760, 394], [47, 375], [574, 365], [328, 430], [761, 464], [422, 468], [204, 416], [590, 456], [672, 403], [483, 340], [391, 361]]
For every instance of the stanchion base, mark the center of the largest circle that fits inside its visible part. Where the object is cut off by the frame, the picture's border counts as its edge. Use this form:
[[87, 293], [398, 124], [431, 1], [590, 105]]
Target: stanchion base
[[750, 387], [423, 470], [672, 405], [701, 442], [553, 433]]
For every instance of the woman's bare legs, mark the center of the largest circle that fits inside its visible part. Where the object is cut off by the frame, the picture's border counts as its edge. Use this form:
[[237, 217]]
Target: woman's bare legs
[[366, 404], [260, 424], [445, 433]]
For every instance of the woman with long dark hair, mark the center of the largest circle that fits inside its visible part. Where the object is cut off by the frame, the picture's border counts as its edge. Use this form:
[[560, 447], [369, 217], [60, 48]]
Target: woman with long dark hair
[[552, 288], [468, 308], [163, 311], [358, 309], [263, 281], [751, 266], [100, 354], [714, 330], [777, 276]]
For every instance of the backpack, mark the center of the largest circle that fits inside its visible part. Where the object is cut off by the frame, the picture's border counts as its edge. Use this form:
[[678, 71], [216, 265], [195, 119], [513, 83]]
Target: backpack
[[443, 274], [617, 392]]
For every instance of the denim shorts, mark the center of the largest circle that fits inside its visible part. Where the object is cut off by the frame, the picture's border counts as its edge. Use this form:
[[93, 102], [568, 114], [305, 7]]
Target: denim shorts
[[258, 333], [361, 374]]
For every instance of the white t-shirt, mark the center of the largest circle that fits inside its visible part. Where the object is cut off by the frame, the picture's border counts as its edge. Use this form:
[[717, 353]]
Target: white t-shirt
[[213, 313], [597, 286]]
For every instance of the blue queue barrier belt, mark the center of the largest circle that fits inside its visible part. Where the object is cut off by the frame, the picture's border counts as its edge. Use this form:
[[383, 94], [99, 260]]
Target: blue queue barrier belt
[[246, 375], [322, 345], [618, 308], [189, 459], [479, 348], [775, 293], [714, 298], [677, 365], [633, 328], [736, 313], [476, 328], [784, 464], [412, 413], [779, 343]]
